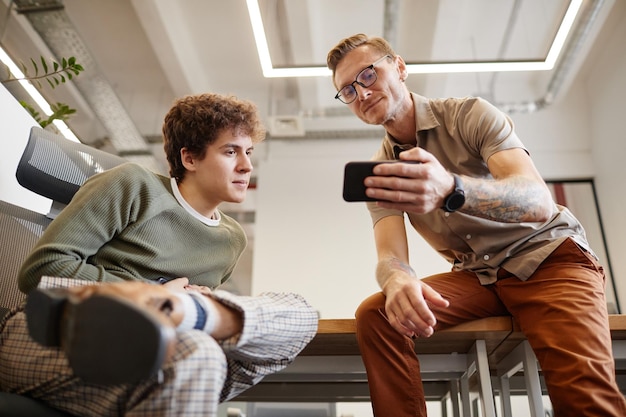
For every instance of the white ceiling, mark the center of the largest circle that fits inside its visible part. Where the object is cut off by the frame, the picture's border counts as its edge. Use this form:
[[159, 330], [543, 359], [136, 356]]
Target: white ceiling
[[151, 51]]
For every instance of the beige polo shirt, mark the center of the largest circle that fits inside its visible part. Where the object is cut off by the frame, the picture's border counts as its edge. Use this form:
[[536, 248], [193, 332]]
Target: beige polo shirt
[[462, 133]]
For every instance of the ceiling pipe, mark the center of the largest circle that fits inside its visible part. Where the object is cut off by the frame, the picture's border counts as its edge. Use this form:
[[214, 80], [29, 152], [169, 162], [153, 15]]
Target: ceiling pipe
[[506, 39], [390, 24], [564, 65], [341, 118], [561, 71]]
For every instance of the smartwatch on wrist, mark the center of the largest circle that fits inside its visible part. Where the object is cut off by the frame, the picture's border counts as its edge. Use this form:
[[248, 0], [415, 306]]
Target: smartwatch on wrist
[[456, 199]]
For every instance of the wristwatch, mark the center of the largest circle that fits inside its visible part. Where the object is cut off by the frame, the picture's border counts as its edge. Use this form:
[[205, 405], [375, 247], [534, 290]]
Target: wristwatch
[[456, 199]]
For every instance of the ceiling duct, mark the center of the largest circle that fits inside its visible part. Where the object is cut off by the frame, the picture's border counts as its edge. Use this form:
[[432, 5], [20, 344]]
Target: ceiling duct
[[342, 126], [564, 66], [390, 26], [51, 22], [333, 123]]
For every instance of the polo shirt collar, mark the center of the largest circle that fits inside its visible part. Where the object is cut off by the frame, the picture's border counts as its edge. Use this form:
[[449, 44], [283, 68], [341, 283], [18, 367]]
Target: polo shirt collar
[[425, 120], [424, 116]]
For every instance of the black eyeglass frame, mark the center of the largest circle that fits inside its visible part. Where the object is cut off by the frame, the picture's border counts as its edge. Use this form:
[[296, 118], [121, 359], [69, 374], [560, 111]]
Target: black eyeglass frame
[[356, 80]]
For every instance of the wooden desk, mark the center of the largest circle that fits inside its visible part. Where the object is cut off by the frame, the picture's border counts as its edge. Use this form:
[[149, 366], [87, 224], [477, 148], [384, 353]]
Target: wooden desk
[[330, 368], [338, 337], [617, 323]]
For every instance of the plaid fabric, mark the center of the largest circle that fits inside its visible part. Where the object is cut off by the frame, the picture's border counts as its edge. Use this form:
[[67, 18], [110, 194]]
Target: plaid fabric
[[202, 372]]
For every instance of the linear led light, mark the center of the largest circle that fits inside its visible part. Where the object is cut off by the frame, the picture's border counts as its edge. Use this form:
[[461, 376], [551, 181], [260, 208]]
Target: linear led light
[[433, 68], [36, 96]]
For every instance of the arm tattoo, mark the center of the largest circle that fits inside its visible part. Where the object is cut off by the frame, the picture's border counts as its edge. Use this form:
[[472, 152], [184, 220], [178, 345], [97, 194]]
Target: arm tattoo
[[515, 199], [385, 268]]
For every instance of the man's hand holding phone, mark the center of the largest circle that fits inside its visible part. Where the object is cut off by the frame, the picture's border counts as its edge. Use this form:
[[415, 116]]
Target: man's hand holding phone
[[355, 173], [416, 183]]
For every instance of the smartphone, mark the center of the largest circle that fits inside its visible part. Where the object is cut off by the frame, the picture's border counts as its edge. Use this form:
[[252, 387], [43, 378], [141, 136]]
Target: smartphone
[[353, 177]]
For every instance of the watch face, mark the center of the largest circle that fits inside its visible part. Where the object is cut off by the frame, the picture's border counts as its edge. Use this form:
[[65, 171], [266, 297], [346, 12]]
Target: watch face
[[456, 201]]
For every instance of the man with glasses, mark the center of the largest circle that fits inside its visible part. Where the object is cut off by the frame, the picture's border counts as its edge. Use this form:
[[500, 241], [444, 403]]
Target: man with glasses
[[365, 78], [477, 198]]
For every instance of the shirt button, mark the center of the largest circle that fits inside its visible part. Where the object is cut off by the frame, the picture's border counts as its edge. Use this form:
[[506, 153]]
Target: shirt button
[[468, 236], [486, 257], [446, 214]]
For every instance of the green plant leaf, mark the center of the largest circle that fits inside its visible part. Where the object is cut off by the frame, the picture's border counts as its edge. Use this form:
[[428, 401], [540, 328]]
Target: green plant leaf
[[35, 66], [44, 64], [35, 114], [60, 111], [60, 73]]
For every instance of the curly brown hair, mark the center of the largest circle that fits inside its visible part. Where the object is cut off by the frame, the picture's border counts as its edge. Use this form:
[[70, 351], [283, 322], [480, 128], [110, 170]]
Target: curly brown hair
[[195, 121], [349, 44]]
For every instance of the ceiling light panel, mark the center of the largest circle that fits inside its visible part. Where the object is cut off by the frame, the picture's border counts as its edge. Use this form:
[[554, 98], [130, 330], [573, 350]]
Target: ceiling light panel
[[449, 36]]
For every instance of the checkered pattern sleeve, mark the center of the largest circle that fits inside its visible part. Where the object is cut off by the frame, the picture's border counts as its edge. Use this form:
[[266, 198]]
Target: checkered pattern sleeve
[[277, 326], [59, 282]]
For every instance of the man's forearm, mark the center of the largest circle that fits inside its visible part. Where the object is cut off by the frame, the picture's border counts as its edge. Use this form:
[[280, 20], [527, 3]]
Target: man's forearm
[[516, 199], [387, 267]]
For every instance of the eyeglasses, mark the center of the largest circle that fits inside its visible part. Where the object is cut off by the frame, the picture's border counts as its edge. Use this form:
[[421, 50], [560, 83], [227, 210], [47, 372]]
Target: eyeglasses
[[365, 78]]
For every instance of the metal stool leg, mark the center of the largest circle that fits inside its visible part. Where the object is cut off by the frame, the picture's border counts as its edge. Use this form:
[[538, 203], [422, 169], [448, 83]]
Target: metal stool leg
[[522, 357], [477, 363]]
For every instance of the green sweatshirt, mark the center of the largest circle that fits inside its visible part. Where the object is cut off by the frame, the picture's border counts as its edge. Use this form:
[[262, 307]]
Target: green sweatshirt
[[126, 224]]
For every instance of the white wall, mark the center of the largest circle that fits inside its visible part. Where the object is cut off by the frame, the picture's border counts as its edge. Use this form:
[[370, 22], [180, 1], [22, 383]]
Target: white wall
[[558, 136], [321, 246], [16, 124], [606, 89]]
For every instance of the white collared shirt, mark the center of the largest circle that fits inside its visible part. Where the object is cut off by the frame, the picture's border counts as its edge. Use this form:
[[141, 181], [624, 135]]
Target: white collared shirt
[[181, 200]]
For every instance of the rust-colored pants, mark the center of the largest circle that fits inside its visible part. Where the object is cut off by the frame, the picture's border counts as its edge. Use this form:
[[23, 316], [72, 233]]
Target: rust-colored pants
[[561, 310]]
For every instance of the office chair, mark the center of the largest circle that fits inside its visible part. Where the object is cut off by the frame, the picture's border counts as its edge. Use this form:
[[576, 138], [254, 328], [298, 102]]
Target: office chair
[[53, 167]]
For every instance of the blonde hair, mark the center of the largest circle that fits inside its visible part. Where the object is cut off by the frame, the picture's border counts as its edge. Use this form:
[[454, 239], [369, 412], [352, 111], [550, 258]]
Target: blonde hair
[[351, 43]]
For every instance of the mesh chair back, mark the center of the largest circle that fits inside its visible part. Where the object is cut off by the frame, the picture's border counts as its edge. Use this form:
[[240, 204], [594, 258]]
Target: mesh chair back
[[53, 167], [19, 231]]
